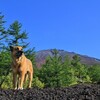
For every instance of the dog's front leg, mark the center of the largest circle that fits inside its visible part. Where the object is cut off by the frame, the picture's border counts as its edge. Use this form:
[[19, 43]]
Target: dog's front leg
[[22, 80], [15, 81], [19, 80]]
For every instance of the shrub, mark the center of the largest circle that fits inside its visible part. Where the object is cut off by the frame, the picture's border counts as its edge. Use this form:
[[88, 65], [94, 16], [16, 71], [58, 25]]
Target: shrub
[[94, 72], [8, 81], [37, 83]]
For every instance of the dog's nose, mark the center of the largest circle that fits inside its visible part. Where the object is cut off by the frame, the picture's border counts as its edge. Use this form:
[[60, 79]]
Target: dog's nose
[[19, 53]]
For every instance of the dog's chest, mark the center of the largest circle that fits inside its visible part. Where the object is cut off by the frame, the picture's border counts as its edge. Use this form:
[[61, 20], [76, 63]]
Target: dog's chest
[[18, 61]]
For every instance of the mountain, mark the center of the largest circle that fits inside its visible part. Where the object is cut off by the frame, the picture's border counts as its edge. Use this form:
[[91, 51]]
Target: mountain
[[41, 56]]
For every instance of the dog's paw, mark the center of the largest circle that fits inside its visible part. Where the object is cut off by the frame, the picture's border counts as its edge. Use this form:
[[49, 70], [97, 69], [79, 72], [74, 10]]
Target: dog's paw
[[20, 88], [15, 88]]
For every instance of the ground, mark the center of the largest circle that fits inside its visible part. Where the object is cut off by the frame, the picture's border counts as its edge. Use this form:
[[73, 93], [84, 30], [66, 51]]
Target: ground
[[77, 92]]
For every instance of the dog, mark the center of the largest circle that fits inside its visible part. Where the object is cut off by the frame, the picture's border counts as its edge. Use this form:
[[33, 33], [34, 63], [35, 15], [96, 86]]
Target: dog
[[21, 67]]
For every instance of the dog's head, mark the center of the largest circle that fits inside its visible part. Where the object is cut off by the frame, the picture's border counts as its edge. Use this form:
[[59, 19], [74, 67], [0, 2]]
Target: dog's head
[[16, 51]]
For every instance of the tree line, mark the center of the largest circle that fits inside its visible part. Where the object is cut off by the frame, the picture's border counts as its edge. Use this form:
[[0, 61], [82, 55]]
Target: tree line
[[56, 72]]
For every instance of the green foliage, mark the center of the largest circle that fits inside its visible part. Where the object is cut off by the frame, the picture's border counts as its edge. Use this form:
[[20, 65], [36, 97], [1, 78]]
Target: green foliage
[[51, 70], [81, 71], [5, 66], [58, 73], [55, 73], [2, 28], [37, 83], [68, 74], [7, 82], [94, 72], [3, 33], [16, 36]]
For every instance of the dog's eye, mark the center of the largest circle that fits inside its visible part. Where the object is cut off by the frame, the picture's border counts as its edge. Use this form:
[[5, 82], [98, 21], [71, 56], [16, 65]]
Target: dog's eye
[[16, 49]]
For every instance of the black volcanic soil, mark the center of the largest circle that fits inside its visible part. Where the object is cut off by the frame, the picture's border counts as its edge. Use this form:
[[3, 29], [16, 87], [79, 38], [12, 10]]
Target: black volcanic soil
[[78, 92]]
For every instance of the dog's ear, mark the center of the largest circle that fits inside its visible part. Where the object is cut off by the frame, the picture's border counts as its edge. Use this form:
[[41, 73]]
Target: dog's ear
[[11, 48]]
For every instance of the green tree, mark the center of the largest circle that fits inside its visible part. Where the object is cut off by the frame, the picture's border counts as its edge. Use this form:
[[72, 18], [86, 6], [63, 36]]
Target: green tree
[[5, 66], [81, 71], [94, 73], [3, 33], [76, 60], [50, 72], [68, 73], [56, 72], [4, 54], [16, 36]]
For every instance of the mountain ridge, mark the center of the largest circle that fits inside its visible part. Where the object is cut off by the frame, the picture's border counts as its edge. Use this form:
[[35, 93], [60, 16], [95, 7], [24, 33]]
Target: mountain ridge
[[85, 59]]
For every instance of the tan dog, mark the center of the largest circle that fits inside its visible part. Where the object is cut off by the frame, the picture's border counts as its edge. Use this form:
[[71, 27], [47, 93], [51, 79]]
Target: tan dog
[[21, 67]]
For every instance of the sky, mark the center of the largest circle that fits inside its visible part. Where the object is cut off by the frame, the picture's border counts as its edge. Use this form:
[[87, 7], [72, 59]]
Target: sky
[[71, 25]]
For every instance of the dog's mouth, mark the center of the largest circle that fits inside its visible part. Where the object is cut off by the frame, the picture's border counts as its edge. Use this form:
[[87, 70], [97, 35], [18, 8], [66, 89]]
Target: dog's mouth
[[19, 54]]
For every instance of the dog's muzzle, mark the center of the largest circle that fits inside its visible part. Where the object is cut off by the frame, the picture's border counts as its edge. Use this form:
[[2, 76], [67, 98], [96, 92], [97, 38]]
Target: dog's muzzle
[[19, 54]]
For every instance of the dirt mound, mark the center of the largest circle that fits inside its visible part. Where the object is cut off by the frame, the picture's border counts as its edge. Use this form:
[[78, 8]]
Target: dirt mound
[[78, 92]]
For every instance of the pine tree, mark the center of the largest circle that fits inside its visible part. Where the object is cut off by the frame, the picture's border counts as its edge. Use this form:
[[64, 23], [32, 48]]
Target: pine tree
[[5, 66], [3, 33], [69, 77], [56, 72], [16, 36], [94, 73], [81, 71], [51, 70], [4, 55]]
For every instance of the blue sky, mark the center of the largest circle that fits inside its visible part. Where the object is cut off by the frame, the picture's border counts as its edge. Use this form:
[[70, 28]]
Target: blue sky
[[71, 25]]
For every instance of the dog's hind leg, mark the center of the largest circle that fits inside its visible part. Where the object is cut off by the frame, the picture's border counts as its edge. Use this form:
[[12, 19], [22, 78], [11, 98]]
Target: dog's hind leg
[[30, 79], [26, 77]]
